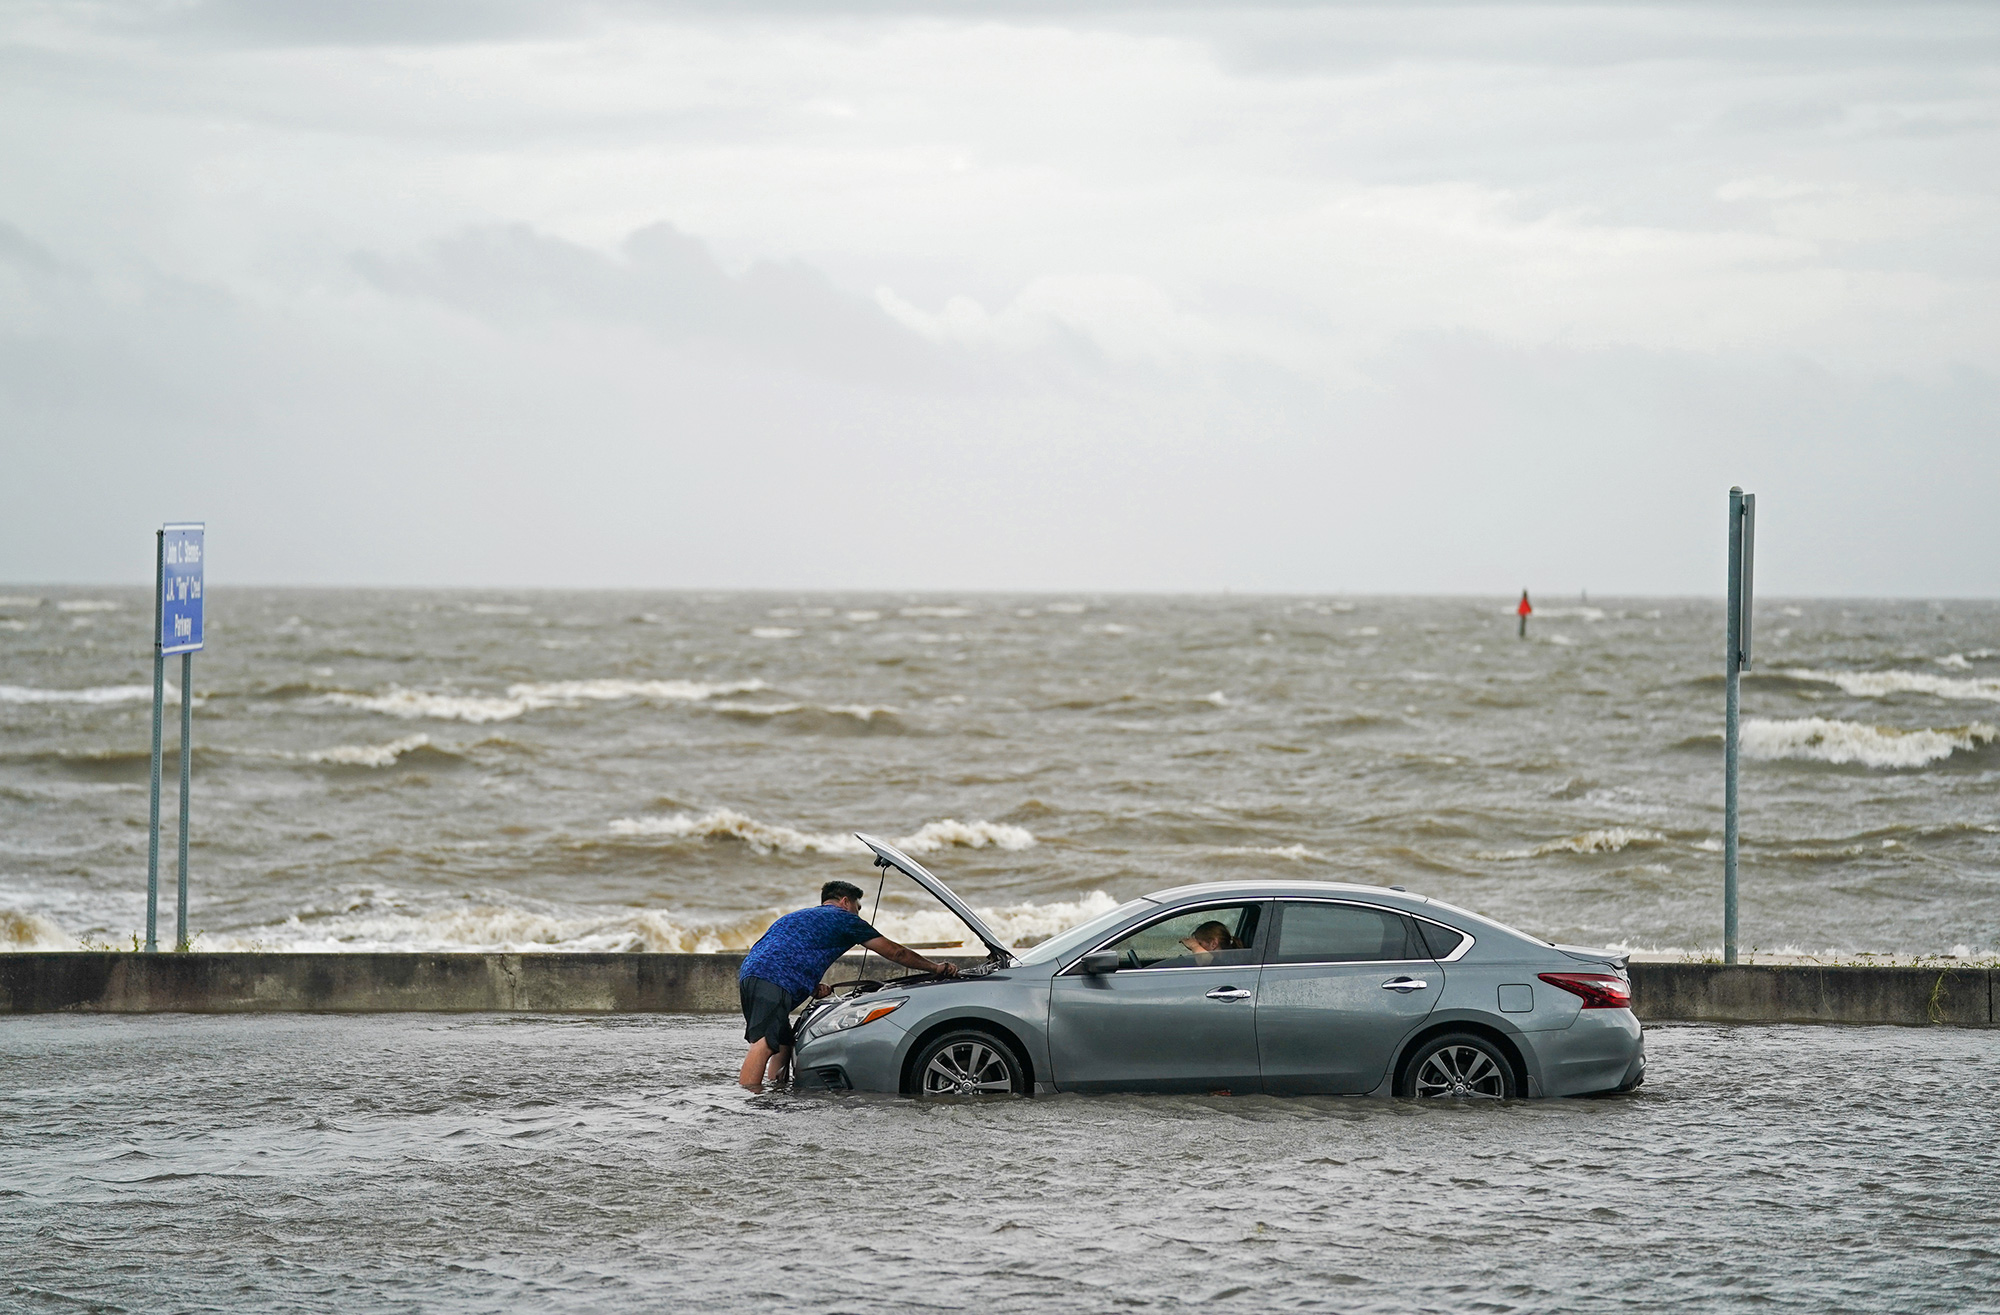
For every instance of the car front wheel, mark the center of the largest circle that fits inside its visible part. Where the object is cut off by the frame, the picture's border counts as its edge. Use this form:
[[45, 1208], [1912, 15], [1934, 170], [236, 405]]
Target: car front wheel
[[968, 1064], [1459, 1065]]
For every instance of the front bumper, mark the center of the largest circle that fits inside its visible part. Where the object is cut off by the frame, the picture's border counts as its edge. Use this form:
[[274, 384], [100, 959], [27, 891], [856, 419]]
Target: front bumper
[[864, 1058]]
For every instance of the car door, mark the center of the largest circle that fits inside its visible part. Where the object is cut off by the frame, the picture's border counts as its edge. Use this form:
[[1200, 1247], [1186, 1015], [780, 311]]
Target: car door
[[1343, 984], [1174, 1017]]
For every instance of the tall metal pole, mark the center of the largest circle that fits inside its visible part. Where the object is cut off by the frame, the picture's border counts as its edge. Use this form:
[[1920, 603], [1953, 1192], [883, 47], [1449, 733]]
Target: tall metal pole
[[187, 757], [1732, 676], [159, 700]]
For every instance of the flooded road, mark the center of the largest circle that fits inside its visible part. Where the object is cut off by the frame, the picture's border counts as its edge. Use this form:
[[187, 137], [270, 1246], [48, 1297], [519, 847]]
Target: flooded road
[[411, 1162]]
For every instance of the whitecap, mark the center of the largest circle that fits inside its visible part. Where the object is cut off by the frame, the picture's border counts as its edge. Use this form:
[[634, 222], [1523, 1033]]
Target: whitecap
[[937, 613], [775, 632], [950, 833], [770, 838], [19, 600], [31, 931], [527, 697], [1297, 853], [88, 605], [368, 755], [499, 609], [1820, 739], [858, 711], [1069, 609], [410, 703], [89, 694], [669, 691], [1603, 840], [1881, 684]]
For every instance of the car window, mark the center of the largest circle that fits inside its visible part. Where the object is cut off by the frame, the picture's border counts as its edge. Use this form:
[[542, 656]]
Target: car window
[[1441, 941], [1345, 933], [1203, 938], [1062, 942]]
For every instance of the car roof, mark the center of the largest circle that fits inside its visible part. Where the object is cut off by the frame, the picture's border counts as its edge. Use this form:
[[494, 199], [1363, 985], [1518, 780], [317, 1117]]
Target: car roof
[[1279, 889], [1436, 910]]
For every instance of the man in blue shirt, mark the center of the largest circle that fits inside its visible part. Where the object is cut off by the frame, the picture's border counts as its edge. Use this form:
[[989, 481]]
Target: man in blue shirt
[[785, 965]]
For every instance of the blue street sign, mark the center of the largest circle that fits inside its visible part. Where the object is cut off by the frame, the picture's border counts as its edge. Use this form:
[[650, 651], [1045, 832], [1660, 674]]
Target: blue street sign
[[180, 587]]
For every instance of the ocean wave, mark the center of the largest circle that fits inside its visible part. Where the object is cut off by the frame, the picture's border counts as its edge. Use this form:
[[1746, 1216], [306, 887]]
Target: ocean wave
[[88, 605], [768, 838], [1820, 739], [90, 694], [859, 712], [410, 704], [500, 924], [664, 691], [528, 697], [31, 931], [1881, 684], [938, 613], [1297, 853], [1604, 840], [369, 755]]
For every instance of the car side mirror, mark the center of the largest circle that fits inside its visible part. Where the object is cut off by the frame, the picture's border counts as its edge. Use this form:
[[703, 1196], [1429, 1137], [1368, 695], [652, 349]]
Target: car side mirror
[[1103, 961]]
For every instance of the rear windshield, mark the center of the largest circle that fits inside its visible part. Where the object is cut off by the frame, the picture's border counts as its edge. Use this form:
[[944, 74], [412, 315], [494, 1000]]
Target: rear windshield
[[1076, 937], [1491, 922]]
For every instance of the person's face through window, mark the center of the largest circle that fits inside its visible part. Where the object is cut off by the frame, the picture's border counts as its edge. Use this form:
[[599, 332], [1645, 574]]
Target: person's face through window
[[1208, 938]]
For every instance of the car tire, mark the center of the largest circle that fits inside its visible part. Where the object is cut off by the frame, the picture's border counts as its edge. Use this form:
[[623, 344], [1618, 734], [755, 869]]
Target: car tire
[[964, 1064], [1458, 1065]]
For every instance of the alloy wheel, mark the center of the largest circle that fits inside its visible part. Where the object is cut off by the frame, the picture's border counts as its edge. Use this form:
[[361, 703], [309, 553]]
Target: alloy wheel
[[969, 1068], [1461, 1071]]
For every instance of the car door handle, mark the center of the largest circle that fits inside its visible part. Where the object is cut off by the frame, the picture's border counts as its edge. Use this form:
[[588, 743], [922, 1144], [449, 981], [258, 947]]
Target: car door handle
[[1405, 985], [1229, 993]]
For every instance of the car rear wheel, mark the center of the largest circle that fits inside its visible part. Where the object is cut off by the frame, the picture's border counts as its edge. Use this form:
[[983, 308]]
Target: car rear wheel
[[968, 1064], [1459, 1065]]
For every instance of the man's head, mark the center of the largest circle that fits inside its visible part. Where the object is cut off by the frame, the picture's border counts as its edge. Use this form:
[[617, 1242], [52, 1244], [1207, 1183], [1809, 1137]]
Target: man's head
[[844, 893], [1208, 938]]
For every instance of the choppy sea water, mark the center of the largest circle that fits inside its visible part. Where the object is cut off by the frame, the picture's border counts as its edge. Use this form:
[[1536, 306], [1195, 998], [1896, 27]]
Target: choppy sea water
[[403, 1162], [411, 769]]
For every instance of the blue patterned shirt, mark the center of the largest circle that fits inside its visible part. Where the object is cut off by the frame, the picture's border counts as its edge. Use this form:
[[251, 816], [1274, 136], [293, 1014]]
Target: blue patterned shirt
[[799, 947]]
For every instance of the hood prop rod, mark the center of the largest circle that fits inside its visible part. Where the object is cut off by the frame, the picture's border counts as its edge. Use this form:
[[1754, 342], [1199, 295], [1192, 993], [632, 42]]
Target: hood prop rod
[[883, 864]]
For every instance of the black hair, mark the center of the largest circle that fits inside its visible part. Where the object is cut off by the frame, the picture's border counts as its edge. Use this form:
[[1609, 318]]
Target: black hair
[[839, 890]]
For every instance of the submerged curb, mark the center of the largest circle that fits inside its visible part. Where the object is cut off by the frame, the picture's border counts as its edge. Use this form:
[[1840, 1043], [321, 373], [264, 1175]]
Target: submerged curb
[[123, 983]]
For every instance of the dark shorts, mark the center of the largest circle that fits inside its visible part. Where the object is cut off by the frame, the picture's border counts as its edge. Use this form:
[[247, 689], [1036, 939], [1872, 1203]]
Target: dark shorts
[[767, 1012]]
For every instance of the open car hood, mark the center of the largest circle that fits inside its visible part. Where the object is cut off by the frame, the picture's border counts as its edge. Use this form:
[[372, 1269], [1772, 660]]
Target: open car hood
[[887, 855]]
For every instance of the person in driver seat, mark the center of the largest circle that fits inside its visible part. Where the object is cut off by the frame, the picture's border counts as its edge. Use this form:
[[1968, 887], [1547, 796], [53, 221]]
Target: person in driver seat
[[1209, 939]]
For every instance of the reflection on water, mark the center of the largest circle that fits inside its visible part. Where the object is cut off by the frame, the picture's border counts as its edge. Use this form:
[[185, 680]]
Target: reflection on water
[[470, 1164]]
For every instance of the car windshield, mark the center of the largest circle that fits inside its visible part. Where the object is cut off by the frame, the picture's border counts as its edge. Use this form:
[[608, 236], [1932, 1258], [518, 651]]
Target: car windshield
[[1058, 945]]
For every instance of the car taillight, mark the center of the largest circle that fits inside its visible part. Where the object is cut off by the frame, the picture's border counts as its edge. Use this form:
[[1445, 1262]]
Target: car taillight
[[1599, 990]]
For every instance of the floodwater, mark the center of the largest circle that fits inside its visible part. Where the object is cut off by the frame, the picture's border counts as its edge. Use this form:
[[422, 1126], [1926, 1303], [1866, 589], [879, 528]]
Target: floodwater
[[447, 1164], [404, 769]]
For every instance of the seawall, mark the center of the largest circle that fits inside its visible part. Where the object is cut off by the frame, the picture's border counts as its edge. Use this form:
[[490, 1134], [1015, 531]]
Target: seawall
[[123, 983]]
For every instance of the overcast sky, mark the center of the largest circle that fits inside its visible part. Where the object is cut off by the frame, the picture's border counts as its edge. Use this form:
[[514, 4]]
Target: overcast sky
[[1311, 298]]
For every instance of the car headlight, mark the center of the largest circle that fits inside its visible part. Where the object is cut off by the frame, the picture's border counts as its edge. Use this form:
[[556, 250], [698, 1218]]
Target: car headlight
[[854, 1015]]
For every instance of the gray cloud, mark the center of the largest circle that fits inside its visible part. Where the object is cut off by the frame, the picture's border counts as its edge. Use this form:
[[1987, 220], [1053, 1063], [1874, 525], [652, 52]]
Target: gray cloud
[[670, 285], [1175, 297]]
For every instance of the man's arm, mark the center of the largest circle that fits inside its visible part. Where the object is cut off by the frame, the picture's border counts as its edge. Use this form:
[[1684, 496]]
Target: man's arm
[[909, 958]]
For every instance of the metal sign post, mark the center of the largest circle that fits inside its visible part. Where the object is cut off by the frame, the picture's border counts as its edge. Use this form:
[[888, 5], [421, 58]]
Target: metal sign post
[[1742, 542], [177, 628]]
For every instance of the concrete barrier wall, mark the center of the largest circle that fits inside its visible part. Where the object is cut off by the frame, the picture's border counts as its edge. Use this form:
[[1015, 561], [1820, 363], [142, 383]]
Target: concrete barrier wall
[[1798, 993], [121, 983], [92, 982]]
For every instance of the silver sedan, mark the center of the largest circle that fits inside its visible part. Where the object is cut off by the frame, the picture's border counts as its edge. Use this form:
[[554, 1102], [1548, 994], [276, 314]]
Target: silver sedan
[[1296, 987]]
